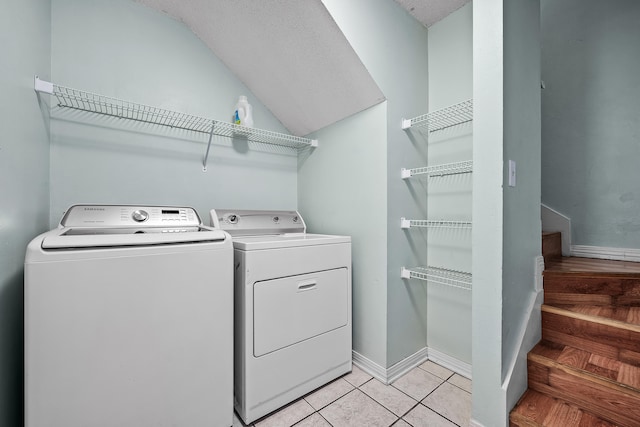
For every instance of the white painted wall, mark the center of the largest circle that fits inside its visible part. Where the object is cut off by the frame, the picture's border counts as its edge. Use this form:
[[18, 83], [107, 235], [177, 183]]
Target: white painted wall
[[449, 198], [25, 28], [507, 231], [341, 191], [397, 60], [522, 229], [489, 403], [123, 49], [590, 126]]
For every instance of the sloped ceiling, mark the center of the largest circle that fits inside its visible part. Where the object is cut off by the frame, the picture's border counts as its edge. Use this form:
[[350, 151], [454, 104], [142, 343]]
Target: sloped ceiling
[[291, 53], [428, 12]]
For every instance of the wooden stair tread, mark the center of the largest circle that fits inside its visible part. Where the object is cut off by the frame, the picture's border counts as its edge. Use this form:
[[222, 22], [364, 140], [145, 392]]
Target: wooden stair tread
[[536, 409], [592, 364], [586, 370], [588, 313], [592, 266], [621, 314]]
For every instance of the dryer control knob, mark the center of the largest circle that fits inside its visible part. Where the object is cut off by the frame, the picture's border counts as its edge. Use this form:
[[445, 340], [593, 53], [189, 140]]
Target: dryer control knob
[[140, 215]]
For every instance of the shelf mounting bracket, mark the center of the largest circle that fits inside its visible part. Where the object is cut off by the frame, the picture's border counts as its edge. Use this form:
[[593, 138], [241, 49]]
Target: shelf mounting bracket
[[206, 154]]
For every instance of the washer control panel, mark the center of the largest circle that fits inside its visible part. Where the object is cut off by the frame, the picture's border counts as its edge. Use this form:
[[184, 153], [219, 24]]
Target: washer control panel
[[256, 222], [114, 216]]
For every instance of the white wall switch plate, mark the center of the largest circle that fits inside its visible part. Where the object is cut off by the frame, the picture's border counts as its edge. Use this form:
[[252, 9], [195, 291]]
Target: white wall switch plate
[[512, 173]]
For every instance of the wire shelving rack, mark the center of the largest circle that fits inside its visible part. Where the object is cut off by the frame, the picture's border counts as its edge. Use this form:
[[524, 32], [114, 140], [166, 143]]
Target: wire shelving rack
[[67, 97], [465, 166], [442, 276], [426, 223], [442, 119]]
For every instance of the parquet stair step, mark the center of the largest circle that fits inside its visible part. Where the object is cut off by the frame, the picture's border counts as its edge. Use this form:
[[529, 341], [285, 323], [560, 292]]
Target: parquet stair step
[[586, 370], [592, 288], [607, 387], [604, 336], [536, 409]]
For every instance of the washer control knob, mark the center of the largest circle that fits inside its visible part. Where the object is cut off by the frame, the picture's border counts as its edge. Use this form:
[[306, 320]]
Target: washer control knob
[[140, 215], [233, 219], [276, 219], [295, 219]]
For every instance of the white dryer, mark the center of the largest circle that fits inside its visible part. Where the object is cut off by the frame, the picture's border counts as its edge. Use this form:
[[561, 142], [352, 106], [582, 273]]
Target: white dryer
[[292, 308], [129, 320]]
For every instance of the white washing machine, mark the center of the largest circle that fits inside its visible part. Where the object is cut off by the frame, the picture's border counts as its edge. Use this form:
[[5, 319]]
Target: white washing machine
[[129, 320], [292, 308]]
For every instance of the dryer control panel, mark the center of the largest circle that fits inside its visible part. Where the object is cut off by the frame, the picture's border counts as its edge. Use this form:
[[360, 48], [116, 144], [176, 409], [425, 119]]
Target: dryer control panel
[[256, 222], [118, 216]]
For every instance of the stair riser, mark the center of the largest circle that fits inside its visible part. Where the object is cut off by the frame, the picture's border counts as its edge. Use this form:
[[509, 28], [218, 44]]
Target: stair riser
[[621, 407], [551, 246], [563, 289], [603, 339]]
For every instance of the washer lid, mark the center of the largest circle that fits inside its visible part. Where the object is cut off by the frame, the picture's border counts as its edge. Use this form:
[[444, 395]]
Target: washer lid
[[71, 238], [250, 243], [98, 226]]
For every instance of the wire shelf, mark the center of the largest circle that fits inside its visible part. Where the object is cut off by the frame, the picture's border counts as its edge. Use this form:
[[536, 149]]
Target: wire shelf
[[409, 223], [100, 104], [465, 166], [445, 118], [442, 276]]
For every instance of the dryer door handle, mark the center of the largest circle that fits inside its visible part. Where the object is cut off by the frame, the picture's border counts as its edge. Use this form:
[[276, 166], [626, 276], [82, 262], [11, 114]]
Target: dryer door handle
[[307, 285]]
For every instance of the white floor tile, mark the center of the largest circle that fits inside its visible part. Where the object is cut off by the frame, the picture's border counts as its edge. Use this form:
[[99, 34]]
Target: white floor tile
[[357, 377], [421, 416], [287, 416], [356, 409], [314, 420], [389, 397], [460, 381], [417, 383], [436, 369], [329, 393], [451, 402]]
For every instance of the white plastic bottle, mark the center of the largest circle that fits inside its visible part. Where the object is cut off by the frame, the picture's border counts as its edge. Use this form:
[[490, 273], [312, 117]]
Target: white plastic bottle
[[244, 113]]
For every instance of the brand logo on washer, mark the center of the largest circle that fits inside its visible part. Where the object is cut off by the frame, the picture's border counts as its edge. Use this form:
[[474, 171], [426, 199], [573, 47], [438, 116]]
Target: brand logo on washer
[[94, 209]]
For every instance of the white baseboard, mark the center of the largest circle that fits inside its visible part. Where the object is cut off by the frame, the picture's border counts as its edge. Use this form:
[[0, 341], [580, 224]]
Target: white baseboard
[[451, 363], [407, 364], [474, 423], [601, 252], [389, 375], [369, 366]]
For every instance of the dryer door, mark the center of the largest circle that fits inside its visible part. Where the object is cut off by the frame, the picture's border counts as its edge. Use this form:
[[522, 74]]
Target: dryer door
[[293, 309]]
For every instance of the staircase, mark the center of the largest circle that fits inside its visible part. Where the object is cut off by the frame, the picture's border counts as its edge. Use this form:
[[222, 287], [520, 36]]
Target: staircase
[[586, 370]]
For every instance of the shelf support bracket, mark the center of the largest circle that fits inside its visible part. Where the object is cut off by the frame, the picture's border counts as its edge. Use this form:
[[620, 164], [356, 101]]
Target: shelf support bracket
[[206, 154], [42, 86], [405, 223], [405, 273], [406, 123]]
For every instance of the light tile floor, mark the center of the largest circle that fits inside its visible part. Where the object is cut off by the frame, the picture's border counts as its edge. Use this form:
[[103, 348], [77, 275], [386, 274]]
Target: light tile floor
[[428, 395]]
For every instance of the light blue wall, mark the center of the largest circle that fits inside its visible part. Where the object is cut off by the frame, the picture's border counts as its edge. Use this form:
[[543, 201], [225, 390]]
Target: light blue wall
[[450, 82], [393, 47], [341, 191], [590, 126], [507, 232], [24, 178], [489, 403], [522, 227], [121, 48]]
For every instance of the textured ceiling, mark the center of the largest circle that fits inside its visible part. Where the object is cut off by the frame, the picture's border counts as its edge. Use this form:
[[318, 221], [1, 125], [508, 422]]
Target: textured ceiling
[[289, 53], [428, 12]]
